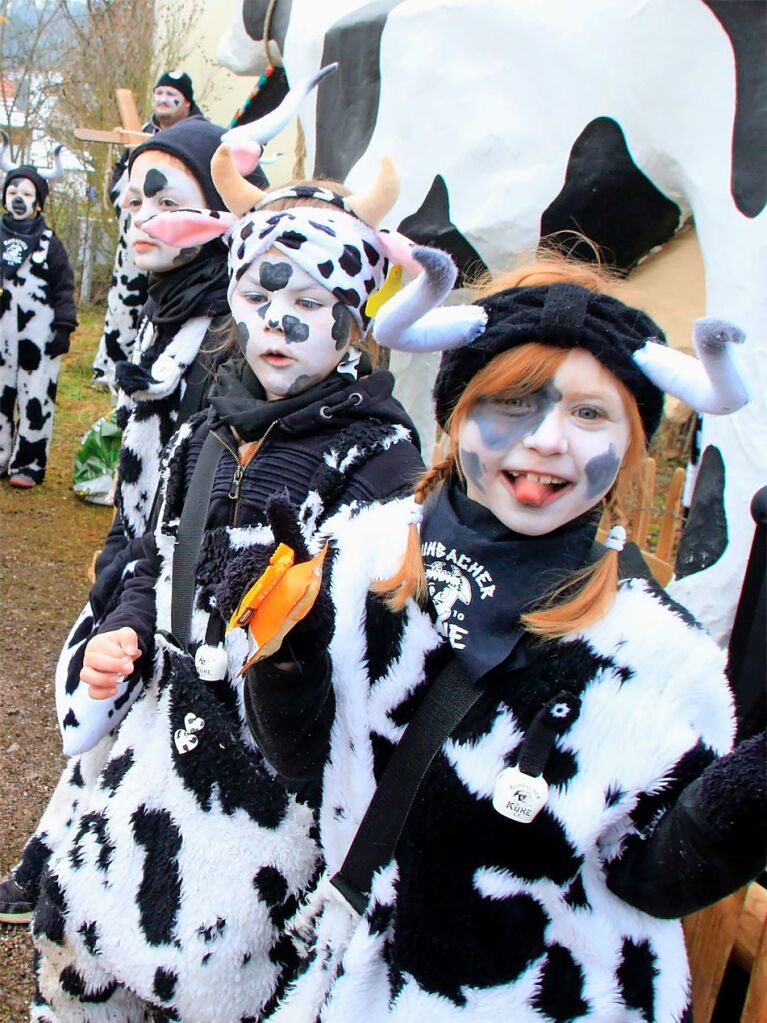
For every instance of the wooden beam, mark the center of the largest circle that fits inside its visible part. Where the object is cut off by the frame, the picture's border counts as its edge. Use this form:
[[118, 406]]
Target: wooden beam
[[126, 104], [118, 135]]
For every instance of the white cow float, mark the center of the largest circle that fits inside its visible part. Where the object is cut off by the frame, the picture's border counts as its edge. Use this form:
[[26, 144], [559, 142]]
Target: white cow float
[[510, 119]]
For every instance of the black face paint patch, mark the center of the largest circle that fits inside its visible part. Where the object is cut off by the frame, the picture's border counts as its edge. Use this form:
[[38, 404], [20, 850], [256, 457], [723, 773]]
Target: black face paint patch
[[243, 335], [295, 330], [186, 255], [274, 276], [342, 321], [154, 182], [500, 429], [601, 472], [263, 310], [303, 383], [472, 466]]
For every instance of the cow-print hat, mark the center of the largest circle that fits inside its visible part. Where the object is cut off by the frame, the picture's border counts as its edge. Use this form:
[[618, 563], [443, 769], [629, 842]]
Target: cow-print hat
[[30, 172], [336, 248], [565, 315], [193, 141]]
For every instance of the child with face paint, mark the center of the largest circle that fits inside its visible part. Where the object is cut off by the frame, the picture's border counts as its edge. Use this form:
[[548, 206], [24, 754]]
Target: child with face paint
[[209, 850], [37, 316], [555, 718]]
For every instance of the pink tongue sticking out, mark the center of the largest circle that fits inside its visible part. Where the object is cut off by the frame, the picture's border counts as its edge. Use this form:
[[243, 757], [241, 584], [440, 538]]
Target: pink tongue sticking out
[[531, 492]]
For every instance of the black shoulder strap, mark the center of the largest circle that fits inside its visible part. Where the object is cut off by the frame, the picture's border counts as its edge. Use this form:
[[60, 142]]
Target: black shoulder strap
[[444, 706], [187, 549]]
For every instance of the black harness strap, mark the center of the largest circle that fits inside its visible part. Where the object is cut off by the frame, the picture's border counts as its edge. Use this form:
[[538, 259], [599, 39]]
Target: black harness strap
[[189, 537], [450, 697]]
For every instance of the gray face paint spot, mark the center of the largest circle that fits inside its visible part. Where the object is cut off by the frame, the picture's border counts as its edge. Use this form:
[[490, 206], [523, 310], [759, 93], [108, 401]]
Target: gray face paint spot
[[500, 430], [601, 472], [274, 276], [243, 335], [186, 255], [303, 383], [342, 322], [295, 331], [154, 182], [473, 467], [263, 310]]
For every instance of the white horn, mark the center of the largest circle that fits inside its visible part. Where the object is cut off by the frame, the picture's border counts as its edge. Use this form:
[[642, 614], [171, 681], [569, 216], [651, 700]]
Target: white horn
[[409, 322], [264, 130], [712, 383], [5, 163], [57, 170]]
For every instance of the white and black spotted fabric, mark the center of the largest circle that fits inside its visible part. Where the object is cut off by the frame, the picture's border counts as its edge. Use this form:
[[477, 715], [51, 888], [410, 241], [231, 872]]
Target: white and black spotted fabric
[[477, 917], [37, 314]]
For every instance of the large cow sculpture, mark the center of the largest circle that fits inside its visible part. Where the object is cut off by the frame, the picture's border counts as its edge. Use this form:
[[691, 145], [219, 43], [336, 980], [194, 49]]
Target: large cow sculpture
[[513, 119]]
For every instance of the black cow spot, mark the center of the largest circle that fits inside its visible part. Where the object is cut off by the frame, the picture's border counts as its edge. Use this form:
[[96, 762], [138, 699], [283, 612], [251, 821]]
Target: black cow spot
[[704, 537], [7, 402], [116, 770], [35, 418], [372, 254], [130, 466], [97, 825], [575, 895], [24, 317], [431, 225], [294, 329], [347, 102], [606, 197], [292, 239], [254, 17], [76, 777], [90, 936], [350, 260], [33, 863], [271, 886], [379, 918], [241, 251], [613, 795], [51, 390], [154, 182], [70, 720], [274, 276], [30, 355], [342, 321], [159, 894], [348, 296], [369, 284], [247, 231], [636, 975], [164, 983], [560, 994], [74, 984], [49, 921], [325, 228], [326, 268], [213, 931]]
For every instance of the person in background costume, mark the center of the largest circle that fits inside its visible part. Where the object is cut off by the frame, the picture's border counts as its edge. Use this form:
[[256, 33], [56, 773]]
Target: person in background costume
[[583, 797], [208, 851], [37, 316]]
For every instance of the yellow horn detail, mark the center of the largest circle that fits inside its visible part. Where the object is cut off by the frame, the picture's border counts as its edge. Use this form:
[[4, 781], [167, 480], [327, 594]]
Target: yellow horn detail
[[238, 193], [373, 206]]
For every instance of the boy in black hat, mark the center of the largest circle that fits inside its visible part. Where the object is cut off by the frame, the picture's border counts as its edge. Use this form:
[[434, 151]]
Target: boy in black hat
[[37, 316]]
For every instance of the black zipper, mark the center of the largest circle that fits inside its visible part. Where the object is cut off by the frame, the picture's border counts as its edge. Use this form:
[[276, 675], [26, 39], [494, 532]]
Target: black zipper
[[239, 472]]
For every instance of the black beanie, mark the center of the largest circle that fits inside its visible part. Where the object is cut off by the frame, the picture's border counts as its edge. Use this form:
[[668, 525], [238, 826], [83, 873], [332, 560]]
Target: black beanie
[[28, 171], [193, 141], [177, 80], [564, 315]]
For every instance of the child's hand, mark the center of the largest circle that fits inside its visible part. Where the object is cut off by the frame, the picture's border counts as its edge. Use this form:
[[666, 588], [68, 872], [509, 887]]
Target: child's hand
[[108, 659]]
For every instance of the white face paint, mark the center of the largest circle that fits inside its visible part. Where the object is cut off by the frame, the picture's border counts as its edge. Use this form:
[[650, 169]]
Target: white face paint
[[158, 184], [540, 461], [292, 331], [21, 199], [169, 105]]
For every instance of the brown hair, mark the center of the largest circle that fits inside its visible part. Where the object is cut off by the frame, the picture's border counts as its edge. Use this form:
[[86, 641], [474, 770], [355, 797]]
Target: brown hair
[[588, 595]]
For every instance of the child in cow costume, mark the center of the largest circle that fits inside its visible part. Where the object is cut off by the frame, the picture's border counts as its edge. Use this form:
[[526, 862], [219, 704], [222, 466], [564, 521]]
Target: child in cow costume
[[184, 853], [552, 716], [37, 316]]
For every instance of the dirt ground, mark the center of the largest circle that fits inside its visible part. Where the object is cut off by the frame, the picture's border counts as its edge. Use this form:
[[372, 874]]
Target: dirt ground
[[47, 537]]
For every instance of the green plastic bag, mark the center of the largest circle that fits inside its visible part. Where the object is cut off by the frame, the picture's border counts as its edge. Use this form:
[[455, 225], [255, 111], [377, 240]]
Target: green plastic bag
[[96, 461]]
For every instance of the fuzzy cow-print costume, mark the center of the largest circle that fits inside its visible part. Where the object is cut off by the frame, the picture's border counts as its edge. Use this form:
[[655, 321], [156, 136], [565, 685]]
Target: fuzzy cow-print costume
[[476, 916], [169, 881], [37, 315]]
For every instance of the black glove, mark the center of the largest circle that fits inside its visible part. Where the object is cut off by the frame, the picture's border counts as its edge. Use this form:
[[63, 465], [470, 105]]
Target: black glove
[[308, 638], [59, 343]]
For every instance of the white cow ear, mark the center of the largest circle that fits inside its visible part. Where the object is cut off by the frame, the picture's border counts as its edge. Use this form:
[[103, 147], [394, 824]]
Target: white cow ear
[[713, 383], [411, 321]]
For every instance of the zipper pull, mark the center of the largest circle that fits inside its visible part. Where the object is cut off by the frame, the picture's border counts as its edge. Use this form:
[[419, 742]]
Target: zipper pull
[[234, 493]]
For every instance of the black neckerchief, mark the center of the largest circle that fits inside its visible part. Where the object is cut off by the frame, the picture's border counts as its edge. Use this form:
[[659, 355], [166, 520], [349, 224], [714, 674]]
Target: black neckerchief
[[482, 576], [197, 288], [240, 401], [19, 240]]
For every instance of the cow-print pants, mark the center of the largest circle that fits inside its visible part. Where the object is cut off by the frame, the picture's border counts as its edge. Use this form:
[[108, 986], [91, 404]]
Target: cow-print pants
[[28, 382]]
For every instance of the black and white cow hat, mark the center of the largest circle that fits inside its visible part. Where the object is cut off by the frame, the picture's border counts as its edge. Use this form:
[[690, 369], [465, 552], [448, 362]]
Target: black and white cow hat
[[625, 340], [38, 176]]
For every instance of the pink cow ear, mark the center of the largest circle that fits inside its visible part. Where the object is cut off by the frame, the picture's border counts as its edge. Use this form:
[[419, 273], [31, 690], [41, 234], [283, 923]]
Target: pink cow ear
[[399, 249], [183, 228]]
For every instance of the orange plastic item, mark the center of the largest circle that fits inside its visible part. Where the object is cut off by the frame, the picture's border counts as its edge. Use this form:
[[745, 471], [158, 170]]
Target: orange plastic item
[[289, 600], [279, 563]]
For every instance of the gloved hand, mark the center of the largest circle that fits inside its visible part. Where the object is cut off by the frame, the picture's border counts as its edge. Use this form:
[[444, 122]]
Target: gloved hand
[[59, 343], [273, 619]]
